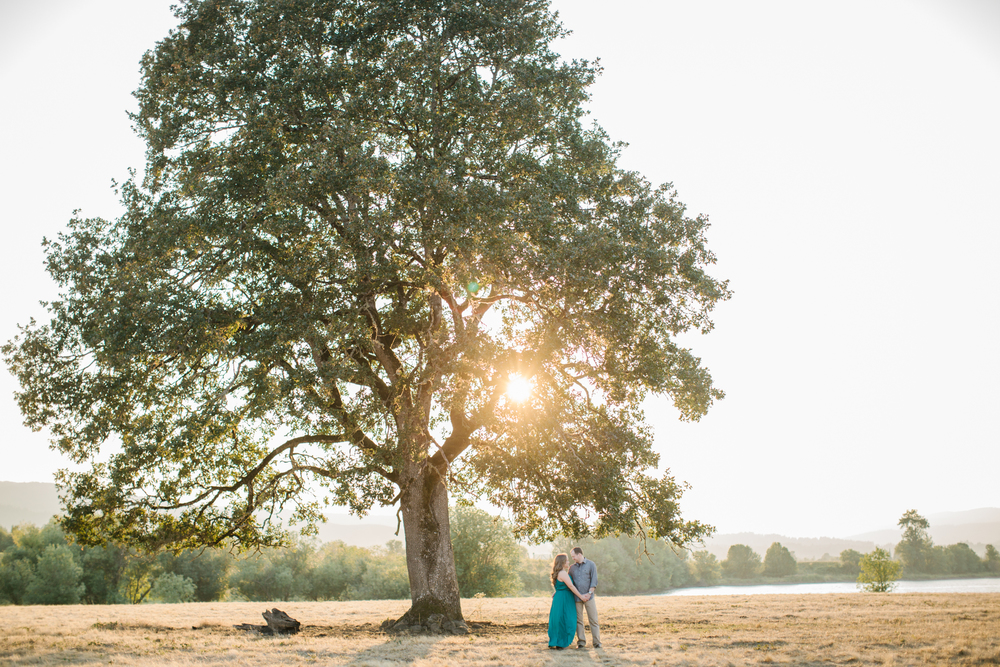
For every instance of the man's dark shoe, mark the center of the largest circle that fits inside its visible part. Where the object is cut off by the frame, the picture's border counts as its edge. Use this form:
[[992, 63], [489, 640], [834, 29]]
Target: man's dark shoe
[[597, 646]]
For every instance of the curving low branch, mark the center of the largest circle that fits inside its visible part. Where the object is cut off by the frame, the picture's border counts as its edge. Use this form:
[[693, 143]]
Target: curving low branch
[[248, 478]]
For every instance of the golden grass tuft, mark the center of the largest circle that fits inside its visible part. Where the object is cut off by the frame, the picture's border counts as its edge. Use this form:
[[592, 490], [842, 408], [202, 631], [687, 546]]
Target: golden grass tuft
[[884, 630]]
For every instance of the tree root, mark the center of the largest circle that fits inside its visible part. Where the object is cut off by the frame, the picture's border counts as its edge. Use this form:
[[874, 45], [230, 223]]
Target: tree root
[[434, 624]]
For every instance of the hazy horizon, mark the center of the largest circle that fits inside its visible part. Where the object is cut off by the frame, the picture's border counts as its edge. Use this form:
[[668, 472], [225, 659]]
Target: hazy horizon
[[384, 517]]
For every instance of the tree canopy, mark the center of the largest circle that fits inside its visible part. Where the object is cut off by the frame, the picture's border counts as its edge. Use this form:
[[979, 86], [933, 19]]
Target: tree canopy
[[991, 561], [487, 557], [916, 549], [779, 561], [359, 222], [741, 562], [878, 572]]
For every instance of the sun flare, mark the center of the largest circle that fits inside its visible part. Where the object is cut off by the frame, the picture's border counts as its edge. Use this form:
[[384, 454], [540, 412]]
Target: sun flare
[[518, 388]]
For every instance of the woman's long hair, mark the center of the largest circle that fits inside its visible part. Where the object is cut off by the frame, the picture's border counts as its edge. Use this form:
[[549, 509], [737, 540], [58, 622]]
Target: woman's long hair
[[558, 565]]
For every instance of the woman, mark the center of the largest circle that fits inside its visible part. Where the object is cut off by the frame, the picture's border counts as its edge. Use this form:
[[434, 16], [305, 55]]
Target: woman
[[562, 615]]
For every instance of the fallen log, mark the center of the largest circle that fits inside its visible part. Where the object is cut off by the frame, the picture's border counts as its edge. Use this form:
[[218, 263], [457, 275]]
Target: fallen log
[[278, 623]]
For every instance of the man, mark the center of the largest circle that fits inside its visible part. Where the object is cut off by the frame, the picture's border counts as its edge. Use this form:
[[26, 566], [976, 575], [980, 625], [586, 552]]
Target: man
[[583, 572]]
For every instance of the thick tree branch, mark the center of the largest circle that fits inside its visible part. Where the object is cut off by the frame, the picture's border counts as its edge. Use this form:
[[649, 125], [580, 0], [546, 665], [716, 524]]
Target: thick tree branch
[[462, 429], [355, 436], [253, 473], [382, 342]]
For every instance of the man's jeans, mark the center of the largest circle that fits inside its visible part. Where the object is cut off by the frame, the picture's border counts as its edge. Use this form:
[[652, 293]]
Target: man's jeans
[[595, 629]]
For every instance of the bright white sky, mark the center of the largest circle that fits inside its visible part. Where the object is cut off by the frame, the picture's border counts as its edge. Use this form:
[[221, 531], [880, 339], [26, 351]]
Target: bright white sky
[[847, 153]]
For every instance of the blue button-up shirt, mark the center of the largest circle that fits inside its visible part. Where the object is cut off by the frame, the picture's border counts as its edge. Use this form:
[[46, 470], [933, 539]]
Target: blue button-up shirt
[[584, 575]]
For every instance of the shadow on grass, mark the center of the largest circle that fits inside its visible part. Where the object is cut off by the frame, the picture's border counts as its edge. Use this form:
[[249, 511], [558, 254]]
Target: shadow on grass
[[398, 650], [587, 656]]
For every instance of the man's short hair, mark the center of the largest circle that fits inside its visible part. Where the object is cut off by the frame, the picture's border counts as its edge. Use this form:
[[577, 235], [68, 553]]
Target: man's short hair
[[577, 550]]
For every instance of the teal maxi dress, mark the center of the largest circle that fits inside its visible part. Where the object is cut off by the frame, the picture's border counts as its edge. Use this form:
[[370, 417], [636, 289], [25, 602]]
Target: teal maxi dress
[[562, 617]]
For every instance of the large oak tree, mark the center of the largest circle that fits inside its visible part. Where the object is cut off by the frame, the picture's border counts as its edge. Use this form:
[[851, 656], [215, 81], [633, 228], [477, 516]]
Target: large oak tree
[[359, 220]]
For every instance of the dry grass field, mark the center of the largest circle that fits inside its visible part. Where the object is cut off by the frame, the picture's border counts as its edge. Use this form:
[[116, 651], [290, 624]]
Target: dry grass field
[[869, 629]]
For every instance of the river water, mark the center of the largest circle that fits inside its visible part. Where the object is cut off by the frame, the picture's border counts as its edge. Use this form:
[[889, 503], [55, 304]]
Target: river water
[[991, 585]]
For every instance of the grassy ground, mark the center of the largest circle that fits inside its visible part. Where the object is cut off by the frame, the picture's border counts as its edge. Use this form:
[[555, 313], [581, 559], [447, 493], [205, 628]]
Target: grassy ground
[[868, 629]]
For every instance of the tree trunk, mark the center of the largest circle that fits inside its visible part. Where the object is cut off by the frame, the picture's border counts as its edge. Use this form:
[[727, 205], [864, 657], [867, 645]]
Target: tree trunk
[[430, 560]]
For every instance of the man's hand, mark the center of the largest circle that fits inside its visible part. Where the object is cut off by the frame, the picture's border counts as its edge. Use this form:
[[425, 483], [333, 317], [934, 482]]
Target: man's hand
[[586, 597]]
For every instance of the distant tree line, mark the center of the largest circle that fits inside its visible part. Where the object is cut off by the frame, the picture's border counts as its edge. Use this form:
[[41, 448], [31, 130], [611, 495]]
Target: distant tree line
[[915, 555], [627, 566], [42, 566], [920, 556], [742, 563]]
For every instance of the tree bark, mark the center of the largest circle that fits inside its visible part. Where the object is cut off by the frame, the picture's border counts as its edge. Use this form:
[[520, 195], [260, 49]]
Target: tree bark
[[430, 560]]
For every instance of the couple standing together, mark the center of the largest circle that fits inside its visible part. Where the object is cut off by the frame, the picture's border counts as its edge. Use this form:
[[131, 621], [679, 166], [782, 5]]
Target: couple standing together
[[574, 593]]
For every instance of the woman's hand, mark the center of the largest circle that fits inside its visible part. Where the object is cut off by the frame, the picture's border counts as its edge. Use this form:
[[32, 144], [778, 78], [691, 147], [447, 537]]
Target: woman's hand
[[565, 578]]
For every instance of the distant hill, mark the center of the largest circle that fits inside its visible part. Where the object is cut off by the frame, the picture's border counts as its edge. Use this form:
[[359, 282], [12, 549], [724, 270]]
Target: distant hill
[[37, 502], [980, 526], [977, 528], [371, 531], [27, 502], [982, 515]]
